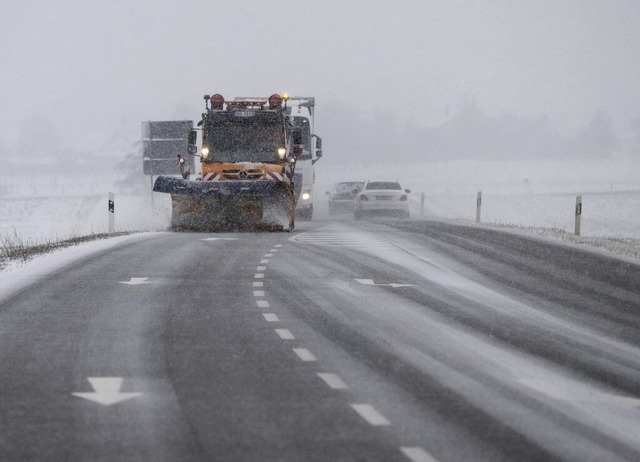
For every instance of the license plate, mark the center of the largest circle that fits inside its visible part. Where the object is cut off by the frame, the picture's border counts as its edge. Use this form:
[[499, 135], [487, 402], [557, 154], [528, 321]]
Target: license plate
[[384, 198]]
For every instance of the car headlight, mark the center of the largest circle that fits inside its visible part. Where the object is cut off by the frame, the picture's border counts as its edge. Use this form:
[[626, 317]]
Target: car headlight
[[306, 196]]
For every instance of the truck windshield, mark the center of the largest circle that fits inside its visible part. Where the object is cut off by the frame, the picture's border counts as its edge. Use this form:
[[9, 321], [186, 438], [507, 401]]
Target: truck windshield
[[248, 137]]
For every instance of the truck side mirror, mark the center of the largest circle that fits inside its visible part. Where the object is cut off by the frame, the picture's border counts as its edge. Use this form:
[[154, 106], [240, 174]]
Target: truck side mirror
[[318, 149]]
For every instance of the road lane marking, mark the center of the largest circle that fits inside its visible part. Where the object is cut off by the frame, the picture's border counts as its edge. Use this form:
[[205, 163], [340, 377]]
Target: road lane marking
[[339, 236], [417, 454], [136, 281], [271, 317], [262, 303], [273, 250], [258, 293], [264, 261], [106, 391], [369, 282], [220, 239], [285, 334], [278, 245], [333, 381], [369, 413], [268, 255], [304, 354], [261, 268], [259, 276], [258, 284]]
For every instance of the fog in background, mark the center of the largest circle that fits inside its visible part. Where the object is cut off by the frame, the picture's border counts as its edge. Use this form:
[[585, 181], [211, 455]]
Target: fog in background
[[425, 79]]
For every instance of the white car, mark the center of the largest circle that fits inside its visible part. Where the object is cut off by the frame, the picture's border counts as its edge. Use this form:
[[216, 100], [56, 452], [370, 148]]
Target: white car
[[382, 198]]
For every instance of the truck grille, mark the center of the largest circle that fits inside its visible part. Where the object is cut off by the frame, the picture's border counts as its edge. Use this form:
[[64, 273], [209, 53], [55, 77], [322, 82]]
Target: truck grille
[[240, 174]]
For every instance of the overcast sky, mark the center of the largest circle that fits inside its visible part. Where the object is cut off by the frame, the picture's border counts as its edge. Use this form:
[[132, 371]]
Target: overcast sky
[[95, 67]]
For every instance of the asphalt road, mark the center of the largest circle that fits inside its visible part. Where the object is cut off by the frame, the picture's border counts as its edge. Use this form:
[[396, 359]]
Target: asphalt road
[[341, 341]]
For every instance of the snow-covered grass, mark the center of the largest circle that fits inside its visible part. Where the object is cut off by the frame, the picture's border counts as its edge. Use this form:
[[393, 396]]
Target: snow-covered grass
[[14, 248]]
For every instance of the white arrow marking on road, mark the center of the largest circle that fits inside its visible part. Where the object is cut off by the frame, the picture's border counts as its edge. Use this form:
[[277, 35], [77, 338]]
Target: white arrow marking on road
[[369, 282], [220, 239], [107, 391], [136, 281]]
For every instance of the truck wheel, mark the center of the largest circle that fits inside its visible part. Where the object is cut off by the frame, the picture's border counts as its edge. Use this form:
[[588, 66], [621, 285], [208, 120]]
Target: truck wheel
[[306, 214]]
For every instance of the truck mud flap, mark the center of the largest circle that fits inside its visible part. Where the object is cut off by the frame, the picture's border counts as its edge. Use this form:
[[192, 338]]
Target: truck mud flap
[[219, 189]]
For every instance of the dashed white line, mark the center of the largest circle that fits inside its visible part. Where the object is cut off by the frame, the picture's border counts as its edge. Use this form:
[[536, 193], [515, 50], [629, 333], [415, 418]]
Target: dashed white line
[[285, 334], [264, 261], [369, 413], [278, 245], [258, 293], [333, 381], [259, 276], [258, 284], [268, 255], [262, 303], [273, 250], [417, 454], [261, 268], [271, 317], [304, 354]]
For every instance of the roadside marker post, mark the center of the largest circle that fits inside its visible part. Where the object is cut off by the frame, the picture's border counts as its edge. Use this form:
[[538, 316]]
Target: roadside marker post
[[578, 214], [422, 197], [478, 206], [111, 213]]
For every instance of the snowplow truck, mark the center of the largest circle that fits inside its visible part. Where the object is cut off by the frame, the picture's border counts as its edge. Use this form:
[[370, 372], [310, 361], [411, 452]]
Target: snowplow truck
[[248, 157]]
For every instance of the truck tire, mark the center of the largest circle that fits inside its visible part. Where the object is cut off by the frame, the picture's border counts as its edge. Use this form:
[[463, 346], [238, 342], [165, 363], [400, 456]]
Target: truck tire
[[306, 214]]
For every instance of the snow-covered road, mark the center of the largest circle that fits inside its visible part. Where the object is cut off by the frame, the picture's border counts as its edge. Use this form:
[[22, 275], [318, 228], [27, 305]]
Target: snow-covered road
[[341, 341]]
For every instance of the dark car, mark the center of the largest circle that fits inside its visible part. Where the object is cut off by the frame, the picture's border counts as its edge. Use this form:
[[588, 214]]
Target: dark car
[[342, 197]]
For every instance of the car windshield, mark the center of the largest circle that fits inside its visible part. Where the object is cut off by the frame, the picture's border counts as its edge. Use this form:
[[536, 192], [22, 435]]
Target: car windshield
[[348, 187], [383, 185]]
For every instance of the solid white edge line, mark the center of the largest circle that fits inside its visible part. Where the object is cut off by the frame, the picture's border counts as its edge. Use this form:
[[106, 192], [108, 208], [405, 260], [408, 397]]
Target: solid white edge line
[[369, 413], [270, 317], [258, 293], [304, 354], [417, 454], [333, 380], [262, 303]]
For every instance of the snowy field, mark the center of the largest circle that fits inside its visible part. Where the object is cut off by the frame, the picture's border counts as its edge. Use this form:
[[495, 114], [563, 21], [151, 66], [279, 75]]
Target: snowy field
[[514, 194]]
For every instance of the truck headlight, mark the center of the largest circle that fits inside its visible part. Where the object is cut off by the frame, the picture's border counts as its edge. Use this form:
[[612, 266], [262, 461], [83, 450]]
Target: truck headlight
[[205, 153], [282, 152]]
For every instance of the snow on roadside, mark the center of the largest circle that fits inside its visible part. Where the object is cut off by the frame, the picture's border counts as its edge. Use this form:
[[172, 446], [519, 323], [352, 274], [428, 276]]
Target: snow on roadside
[[19, 274], [620, 246]]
